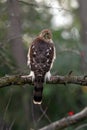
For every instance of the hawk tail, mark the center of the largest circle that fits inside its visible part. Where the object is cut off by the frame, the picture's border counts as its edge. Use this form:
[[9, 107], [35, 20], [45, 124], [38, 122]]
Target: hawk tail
[[38, 90]]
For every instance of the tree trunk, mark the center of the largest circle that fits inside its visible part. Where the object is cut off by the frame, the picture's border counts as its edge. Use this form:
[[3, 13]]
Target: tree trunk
[[83, 18], [16, 43], [15, 35]]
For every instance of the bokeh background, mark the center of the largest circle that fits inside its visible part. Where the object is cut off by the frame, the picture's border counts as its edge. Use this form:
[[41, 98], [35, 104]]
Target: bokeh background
[[20, 22]]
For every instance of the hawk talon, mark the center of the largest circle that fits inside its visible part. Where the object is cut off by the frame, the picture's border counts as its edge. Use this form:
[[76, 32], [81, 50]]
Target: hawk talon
[[27, 76], [51, 78]]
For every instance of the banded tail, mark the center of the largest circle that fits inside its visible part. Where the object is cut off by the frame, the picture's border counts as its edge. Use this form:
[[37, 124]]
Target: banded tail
[[38, 90]]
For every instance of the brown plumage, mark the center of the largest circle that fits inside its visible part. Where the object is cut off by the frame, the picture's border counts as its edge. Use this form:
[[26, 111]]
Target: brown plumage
[[41, 56]]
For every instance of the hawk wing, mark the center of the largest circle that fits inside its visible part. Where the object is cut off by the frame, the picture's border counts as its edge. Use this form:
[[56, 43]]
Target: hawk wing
[[41, 56]]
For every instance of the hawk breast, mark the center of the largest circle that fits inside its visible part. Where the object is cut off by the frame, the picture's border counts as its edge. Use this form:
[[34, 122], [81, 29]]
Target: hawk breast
[[41, 56]]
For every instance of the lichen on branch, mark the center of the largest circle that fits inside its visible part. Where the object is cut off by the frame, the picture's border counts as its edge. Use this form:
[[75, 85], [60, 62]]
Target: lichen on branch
[[9, 80]]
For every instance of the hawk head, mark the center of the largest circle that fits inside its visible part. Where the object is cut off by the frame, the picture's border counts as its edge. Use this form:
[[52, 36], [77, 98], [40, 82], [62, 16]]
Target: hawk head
[[46, 35]]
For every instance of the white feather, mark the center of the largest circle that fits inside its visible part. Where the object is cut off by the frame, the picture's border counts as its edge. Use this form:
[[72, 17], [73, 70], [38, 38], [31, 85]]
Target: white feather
[[28, 56], [54, 57], [47, 76], [37, 102], [32, 75]]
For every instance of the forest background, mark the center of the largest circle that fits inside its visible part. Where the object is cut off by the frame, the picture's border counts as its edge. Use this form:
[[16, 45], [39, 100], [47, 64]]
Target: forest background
[[20, 22]]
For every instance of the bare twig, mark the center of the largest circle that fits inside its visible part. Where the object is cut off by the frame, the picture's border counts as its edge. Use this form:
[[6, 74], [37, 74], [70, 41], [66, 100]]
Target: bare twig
[[66, 121], [21, 80], [9, 101], [43, 6], [44, 114]]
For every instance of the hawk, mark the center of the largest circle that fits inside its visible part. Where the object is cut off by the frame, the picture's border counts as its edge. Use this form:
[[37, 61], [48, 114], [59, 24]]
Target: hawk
[[41, 56]]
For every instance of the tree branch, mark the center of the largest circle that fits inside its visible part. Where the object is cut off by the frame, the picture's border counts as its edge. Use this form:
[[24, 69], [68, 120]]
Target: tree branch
[[44, 6], [21, 80], [66, 121]]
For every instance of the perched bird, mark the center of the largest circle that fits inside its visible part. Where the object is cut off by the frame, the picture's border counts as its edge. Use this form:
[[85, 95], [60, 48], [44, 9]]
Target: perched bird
[[41, 56]]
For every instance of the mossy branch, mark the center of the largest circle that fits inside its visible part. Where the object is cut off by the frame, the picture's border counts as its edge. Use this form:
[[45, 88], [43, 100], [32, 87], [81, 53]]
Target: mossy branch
[[9, 80]]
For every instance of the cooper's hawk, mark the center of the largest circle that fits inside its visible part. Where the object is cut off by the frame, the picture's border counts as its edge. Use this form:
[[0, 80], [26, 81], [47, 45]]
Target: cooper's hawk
[[41, 56]]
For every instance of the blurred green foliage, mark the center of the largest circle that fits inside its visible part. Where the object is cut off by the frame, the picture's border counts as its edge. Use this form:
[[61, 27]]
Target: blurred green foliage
[[16, 102]]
